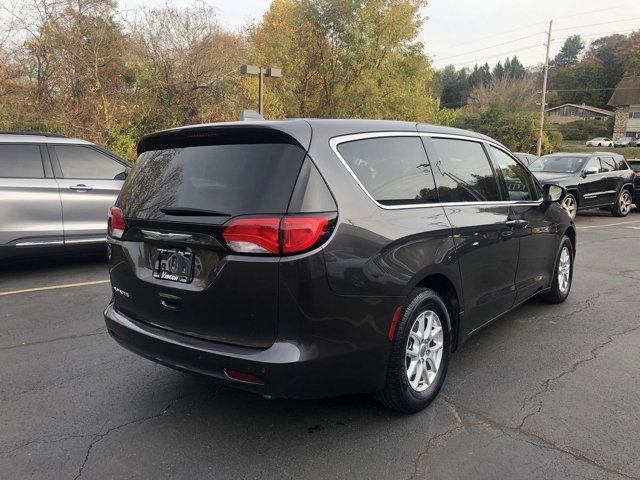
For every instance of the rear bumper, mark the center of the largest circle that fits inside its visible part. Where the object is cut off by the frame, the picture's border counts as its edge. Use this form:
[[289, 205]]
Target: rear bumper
[[288, 369]]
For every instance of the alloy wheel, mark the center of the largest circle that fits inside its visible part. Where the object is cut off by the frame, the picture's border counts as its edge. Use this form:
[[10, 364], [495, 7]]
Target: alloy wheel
[[569, 204], [424, 350], [624, 203], [564, 270]]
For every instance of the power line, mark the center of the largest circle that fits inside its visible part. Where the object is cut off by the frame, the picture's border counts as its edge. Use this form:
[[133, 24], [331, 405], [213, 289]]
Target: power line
[[596, 24], [524, 27], [492, 46], [521, 49], [529, 47], [498, 34], [590, 89], [608, 9]]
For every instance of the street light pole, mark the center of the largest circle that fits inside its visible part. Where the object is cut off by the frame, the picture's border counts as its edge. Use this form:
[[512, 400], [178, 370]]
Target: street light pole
[[544, 91], [260, 91], [261, 72]]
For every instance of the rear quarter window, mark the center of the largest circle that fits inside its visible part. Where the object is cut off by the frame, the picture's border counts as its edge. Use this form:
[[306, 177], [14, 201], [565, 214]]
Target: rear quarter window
[[394, 170]]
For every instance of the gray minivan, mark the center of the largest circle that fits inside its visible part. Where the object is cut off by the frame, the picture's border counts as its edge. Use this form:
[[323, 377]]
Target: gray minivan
[[55, 192]]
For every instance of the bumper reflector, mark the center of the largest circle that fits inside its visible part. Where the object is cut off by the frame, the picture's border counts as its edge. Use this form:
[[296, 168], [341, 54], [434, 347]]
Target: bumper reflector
[[243, 377]]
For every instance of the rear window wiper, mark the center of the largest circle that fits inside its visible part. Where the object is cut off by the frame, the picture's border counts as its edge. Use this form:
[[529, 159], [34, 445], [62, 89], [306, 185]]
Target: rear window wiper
[[192, 212]]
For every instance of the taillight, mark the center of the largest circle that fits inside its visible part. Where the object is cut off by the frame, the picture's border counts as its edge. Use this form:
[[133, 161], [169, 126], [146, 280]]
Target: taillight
[[276, 235], [301, 233], [254, 235], [116, 224]]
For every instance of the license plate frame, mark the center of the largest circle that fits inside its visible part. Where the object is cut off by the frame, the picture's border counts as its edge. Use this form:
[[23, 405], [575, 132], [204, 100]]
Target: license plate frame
[[174, 264]]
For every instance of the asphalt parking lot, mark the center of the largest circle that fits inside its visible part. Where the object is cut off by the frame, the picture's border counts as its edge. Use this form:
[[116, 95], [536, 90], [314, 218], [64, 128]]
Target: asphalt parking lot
[[546, 392]]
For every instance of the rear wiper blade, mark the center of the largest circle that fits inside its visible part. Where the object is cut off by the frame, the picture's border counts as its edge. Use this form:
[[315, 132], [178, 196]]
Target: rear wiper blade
[[192, 212]]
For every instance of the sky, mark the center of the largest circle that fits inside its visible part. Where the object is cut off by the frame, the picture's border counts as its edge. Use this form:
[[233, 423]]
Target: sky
[[463, 32]]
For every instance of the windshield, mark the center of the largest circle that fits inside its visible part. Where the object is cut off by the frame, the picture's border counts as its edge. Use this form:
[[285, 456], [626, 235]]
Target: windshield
[[635, 166], [558, 164]]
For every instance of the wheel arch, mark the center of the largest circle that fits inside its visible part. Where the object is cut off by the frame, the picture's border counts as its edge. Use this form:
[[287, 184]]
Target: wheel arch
[[573, 190], [629, 188], [570, 232], [447, 290]]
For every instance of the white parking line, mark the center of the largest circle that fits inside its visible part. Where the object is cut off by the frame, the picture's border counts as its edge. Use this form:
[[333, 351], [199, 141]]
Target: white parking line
[[609, 224], [53, 287]]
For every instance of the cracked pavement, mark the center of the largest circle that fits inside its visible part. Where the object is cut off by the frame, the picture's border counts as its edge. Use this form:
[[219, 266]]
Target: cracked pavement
[[548, 391]]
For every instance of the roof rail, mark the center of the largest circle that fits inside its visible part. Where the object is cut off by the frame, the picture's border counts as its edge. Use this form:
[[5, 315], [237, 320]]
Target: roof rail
[[247, 115], [38, 134]]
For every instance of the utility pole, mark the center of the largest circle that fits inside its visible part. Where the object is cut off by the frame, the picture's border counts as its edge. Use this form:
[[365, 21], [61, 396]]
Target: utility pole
[[544, 91]]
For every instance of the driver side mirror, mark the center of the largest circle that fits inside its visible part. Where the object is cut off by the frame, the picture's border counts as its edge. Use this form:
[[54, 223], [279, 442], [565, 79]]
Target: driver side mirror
[[590, 171], [123, 175], [553, 193]]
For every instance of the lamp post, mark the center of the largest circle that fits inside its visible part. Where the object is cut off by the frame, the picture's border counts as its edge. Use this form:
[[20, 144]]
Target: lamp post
[[261, 72]]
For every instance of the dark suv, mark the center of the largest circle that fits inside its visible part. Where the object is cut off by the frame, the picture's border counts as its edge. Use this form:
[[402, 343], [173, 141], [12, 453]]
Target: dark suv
[[313, 258], [592, 180]]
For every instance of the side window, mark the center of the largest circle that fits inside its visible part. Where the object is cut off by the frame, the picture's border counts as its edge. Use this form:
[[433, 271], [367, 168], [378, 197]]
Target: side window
[[394, 170], [593, 162], [86, 163], [517, 180], [20, 161], [465, 174], [607, 164], [620, 162]]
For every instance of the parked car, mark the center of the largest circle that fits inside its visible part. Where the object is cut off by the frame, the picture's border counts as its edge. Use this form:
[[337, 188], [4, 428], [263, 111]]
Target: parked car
[[55, 192], [592, 180], [526, 158], [635, 166], [599, 142], [626, 142], [310, 258]]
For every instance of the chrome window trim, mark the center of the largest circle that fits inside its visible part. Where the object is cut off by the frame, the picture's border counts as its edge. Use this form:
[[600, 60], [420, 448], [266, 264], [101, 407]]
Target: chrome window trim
[[336, 141]]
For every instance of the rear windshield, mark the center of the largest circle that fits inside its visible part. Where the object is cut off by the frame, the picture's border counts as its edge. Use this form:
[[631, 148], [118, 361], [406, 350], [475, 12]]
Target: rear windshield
[[558, 164], [228, 179], [635, 166]]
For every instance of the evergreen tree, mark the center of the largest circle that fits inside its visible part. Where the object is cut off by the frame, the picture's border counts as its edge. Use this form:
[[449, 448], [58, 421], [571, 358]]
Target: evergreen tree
[[569, 52]]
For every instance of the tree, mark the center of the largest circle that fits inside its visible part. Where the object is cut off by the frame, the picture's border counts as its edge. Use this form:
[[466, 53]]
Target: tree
[[570, 52], [346, 58], [498, 71], [186, 66], [593, 79], [507, 93], [517, 130], [513, 68]]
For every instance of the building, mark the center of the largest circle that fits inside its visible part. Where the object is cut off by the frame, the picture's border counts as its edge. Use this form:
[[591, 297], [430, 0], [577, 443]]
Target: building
[[570, 112], [626, 100]]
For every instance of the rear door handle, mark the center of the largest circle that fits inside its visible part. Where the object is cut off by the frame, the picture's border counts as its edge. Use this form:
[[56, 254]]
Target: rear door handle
[[80, 187], [517, 223]]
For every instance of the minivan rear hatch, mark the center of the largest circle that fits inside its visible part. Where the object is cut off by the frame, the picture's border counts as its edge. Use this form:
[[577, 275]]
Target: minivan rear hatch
[[172, 268]]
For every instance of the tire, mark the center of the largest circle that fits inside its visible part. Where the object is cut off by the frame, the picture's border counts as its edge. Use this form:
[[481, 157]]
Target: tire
[[409, 393], [560, 291], [570, 204], [600, 144], [623, 204]]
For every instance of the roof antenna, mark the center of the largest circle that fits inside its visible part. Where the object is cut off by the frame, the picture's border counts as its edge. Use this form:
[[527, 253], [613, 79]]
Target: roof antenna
[[247, 115]]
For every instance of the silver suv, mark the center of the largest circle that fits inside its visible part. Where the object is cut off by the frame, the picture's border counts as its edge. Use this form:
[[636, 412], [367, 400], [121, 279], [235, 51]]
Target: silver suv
[[55, 192]]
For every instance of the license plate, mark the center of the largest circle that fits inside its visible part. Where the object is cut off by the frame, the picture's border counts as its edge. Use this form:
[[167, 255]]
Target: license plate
[[173, 264]]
